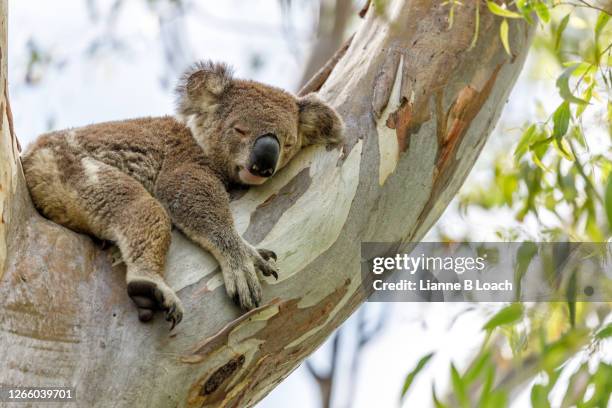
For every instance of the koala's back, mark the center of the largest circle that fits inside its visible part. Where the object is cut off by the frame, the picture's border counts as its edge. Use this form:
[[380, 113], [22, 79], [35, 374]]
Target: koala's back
[[69, 171]]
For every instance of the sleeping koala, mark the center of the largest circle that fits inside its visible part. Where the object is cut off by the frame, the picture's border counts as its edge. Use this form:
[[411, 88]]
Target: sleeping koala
[[128, 181]]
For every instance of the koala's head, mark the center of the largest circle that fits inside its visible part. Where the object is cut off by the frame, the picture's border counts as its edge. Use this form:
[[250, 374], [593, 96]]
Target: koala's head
[[247, 129]]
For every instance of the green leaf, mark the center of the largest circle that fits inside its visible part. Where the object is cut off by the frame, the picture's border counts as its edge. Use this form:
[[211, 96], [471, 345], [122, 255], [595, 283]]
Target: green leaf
[[561, 119], [608, 200], [601, 381], [437, 403], [509, 314], [559, 32], [411, 376], [536, 159], [476, 26], [563, 85], [459, 387], [539, 396], [587, 95], [487, 387], [562, 148], [582, 68], [525, 8], [604, 333], [502, 12], [498, 399], [556, 353], [602, 20], [477, 368], [524, 255], [542, 11], [503, 34], [525, 142]]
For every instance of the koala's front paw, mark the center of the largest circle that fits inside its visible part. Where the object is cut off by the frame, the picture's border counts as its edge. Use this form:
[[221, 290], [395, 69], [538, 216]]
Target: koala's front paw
[[150, 296], [241, 282]]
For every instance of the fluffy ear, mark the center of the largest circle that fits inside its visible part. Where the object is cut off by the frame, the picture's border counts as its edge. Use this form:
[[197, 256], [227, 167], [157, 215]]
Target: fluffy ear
[[201, 86], [319, 122]]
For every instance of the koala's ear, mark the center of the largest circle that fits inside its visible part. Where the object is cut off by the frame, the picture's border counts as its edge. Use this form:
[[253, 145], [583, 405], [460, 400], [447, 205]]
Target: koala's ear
[[319, 123], [201, 86]]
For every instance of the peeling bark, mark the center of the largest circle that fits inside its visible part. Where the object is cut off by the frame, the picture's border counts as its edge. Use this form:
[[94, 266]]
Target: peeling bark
[[418, 105]]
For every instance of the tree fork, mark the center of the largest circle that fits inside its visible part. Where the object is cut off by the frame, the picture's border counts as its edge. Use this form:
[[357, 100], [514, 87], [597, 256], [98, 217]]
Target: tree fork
[[418, 102]]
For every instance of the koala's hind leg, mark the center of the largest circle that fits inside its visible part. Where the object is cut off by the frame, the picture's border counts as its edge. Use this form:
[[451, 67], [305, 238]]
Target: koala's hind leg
[[90, 196], [140, 227]]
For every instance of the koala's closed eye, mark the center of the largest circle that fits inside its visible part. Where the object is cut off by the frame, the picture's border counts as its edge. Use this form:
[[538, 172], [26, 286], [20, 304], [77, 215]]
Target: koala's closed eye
[[241, 130]]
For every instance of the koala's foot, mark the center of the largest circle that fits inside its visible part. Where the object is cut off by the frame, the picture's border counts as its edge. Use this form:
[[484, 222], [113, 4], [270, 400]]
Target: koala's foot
[[150, 296]]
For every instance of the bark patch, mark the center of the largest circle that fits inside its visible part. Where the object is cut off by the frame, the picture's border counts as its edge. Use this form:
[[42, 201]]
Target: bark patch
[[400, 120], [223, 373], [265, 216], [457, 121], [208, 345]]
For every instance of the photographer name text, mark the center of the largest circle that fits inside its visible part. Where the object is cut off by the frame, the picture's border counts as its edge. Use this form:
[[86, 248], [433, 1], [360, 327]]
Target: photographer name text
[[429, 285]]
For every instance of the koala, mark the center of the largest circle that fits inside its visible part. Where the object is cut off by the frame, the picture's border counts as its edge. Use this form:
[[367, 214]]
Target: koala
[[129, 181]]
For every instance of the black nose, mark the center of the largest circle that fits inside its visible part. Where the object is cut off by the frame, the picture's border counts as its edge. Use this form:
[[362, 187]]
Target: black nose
[[264, 155]]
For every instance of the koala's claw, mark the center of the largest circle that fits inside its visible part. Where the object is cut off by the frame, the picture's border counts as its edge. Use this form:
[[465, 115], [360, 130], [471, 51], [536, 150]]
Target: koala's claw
[[247, 301], [267, 268], [267, 254], [150, 296], [173, 316], [266, 262]]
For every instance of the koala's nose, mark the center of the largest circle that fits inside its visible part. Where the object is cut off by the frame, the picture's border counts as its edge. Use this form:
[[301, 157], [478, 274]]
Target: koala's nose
[[264, 155]]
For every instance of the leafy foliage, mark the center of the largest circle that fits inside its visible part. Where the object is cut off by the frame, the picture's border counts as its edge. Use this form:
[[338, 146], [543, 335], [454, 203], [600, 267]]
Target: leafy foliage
[[558, 172], [557, 176]]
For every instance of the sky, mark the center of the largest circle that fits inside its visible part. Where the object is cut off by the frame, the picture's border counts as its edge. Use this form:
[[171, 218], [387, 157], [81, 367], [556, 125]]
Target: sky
[[126, 74]]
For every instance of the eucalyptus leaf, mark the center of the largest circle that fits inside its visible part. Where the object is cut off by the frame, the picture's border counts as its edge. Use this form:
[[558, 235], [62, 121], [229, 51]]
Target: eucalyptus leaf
[[560, 30], [502, 12], [509, 314], [561, 119], [541, 10], [503, 34], [604, 333], [411, 376], [459, 388], [608, 201], [563, 85], [602, 20], [526, 139]]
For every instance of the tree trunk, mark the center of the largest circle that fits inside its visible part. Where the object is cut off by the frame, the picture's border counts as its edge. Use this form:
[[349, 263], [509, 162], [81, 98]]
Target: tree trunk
[[418, 103], [334, 16]]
